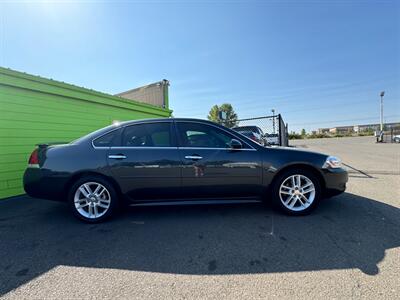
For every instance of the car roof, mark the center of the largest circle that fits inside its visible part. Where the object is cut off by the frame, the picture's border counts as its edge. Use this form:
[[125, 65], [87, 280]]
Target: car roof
[[246, 127], [124, 123], [119, 124]]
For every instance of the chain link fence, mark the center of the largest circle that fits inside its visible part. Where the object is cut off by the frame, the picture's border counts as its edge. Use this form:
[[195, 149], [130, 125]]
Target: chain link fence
[[274, 129], [392, 135]]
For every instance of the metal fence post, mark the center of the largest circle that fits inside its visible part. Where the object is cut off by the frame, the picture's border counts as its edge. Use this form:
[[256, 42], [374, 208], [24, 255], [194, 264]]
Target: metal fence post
[[287, 135], [267, 124], [280, 130], [391, 135]]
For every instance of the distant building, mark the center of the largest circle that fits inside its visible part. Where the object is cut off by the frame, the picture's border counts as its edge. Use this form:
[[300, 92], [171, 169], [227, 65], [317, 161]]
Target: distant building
[[154, 93], [376, 127], [368, 127], [341, 129], [358, 128], [323, 130]]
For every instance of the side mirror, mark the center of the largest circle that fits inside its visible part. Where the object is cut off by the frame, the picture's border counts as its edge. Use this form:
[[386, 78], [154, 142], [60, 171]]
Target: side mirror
[[235, 144]]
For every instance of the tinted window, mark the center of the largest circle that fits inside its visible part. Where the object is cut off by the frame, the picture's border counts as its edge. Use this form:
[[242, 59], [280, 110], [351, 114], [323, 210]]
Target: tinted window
[[95, 133], [203, 136], [105, 140], [148, 135]]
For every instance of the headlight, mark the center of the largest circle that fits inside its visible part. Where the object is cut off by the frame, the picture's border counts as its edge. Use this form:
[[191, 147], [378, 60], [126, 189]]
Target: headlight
[[333, 162]]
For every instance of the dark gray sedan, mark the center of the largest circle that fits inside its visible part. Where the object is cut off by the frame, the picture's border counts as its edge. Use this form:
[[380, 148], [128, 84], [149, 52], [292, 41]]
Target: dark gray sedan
[[171, 161]]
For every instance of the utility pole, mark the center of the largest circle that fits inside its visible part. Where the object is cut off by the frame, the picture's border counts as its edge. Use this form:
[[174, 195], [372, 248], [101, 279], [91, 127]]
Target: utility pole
[[382, 94]]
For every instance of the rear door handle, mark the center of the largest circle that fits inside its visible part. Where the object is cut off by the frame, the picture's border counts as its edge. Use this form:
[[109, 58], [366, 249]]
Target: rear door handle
[[193, 157], [117, 156]]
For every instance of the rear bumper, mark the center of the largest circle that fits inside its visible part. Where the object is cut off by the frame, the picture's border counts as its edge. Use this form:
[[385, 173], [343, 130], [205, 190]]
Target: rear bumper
[[335, 181], [39, 184]]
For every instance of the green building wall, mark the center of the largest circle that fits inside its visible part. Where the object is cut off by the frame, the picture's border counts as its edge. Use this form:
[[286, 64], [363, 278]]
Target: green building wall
[[35, 110]]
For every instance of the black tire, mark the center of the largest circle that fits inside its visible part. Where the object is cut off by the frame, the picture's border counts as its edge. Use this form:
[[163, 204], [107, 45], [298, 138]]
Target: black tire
[[278, 203], [113, 204]]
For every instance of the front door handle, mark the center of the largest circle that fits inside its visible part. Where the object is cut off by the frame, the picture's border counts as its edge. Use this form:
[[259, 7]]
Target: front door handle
[[193, 157], [117, 156]]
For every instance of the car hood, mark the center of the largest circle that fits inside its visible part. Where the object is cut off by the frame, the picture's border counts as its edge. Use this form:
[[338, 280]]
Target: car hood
[[298, 152]]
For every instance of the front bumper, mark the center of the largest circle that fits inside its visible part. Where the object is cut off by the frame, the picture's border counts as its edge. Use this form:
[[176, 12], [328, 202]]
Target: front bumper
[[39, 183], [335, 181]]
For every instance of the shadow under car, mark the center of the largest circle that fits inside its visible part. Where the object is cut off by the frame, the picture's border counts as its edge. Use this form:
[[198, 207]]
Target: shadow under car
[[347, 231]]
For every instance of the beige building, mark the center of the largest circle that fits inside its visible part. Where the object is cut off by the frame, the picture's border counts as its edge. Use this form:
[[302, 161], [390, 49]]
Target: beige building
[[154, 93], [358, 128], [341, 129]]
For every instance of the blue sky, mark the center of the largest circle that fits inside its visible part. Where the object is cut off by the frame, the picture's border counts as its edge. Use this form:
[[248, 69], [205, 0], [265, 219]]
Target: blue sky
[[319, 63]]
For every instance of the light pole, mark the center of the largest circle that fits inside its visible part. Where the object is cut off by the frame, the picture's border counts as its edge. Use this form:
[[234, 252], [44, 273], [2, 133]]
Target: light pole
[[382, 94], [273, 120]]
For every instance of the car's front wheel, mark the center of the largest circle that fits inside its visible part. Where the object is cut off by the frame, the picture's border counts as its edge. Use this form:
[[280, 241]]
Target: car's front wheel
[[297, 192], [92, 199]]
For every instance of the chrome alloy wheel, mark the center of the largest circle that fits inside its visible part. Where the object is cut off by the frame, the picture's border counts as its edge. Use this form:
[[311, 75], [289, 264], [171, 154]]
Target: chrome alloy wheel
[[92, 200], [297, 192]]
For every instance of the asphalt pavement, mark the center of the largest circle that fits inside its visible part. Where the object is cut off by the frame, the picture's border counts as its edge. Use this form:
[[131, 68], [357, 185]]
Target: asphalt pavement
[[348, 248]]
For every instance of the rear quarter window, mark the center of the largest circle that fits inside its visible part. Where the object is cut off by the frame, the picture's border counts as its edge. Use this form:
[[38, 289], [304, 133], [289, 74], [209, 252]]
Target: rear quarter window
[[105, 140]]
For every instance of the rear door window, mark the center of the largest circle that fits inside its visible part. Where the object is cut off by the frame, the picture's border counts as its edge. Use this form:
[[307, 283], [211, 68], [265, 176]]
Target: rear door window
[[148, 135]]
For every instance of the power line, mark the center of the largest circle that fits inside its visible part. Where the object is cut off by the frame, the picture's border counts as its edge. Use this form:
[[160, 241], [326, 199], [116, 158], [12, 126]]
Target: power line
[[331, 90], [283, 111], [338, 121]]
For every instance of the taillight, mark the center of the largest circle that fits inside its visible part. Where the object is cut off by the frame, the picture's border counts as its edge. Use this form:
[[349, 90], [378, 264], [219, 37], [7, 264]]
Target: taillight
[[34, 159]]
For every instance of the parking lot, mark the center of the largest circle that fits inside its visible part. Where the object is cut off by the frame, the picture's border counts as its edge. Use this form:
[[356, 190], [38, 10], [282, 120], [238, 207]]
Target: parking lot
[[348, 248]]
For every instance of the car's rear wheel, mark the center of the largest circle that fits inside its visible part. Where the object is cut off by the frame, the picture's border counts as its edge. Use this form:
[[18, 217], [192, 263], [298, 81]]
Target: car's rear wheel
[[297, 192], [92, 199]]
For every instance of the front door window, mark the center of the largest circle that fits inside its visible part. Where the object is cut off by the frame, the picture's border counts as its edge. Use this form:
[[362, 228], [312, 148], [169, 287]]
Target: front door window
[[196, 135]]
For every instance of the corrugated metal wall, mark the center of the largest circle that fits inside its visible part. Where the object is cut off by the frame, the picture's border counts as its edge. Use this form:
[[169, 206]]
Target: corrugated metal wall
[[35, 110]]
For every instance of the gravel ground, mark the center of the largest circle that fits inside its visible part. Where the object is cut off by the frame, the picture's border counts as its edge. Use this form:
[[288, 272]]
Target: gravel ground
[[361, 153], [349, 247]]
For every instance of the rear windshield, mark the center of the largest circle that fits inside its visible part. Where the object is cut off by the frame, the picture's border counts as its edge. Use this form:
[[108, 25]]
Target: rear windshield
[[95, 133], [247, 128]]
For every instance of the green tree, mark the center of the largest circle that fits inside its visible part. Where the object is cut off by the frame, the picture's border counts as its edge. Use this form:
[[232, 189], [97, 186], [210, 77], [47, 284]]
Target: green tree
[[231, 117], [303, 132], [294, 136]]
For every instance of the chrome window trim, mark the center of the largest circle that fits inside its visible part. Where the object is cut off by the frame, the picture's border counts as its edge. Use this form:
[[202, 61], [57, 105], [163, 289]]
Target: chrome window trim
[[177, 147], [239, 138], [138, 147], [205, 148], [100, 136]]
